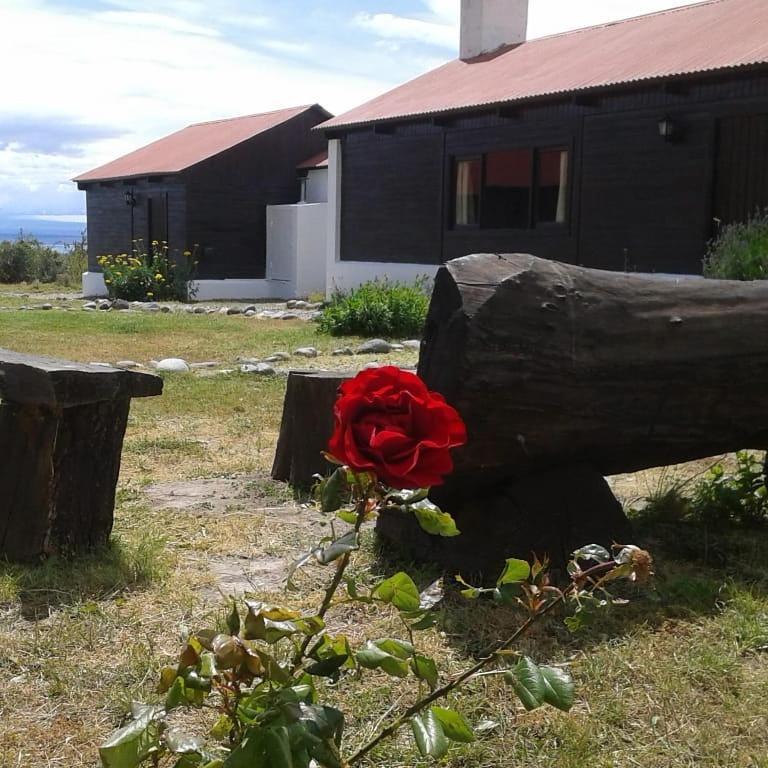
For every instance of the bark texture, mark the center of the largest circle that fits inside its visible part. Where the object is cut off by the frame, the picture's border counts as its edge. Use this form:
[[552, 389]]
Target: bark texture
[[551, 364], [306, 426], [61, 434]]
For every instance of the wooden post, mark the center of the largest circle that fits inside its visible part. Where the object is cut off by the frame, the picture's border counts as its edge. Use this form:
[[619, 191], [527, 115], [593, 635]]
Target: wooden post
[[306, 426], [61, 433]]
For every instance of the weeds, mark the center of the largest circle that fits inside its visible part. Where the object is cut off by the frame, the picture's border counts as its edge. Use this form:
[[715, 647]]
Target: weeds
[[740, 251], [378, 308]]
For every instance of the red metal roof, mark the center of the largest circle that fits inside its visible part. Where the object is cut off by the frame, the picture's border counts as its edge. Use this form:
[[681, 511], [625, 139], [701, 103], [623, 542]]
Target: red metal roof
[[714, 35], [191, 145], [319, 160]]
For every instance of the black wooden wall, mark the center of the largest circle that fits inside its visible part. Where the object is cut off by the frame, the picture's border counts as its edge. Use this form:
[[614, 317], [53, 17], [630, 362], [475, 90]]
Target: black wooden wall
[[637, 202], [227, 196], [217, 207], [113, 225]]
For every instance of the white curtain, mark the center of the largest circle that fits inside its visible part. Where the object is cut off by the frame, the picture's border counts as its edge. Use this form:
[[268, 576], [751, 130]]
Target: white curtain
[[466, 195], [562, 195]]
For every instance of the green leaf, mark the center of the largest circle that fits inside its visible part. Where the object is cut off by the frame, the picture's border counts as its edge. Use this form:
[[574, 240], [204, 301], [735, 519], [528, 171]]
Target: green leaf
[[515, 571], [526, 679], [454, 725], [406, 498], [349, 542], [347, 515], [372, 656], [233, 620], [429, 735], [278, 748], [400, 591], [425, 669], [222, 728], [130, 746], [433, 520], [426, 621], [328, 667], [559, 690], [176, 695], [334, 491]]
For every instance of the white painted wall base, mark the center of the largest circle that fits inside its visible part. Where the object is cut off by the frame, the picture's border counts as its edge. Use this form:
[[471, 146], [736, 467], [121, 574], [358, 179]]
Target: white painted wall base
[[349, 274], [241, 290], [94, 286]]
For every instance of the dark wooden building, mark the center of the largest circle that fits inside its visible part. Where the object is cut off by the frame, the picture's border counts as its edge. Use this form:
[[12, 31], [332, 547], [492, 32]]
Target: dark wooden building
[[622, 146], [206, 186]]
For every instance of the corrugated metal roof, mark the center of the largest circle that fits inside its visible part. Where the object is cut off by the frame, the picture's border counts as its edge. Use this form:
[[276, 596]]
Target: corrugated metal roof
[[715, 35], [320, 160], [191, 145]]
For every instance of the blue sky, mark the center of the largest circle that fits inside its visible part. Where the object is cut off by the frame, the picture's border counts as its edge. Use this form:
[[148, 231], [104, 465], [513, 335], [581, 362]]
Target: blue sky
[[85, 81]]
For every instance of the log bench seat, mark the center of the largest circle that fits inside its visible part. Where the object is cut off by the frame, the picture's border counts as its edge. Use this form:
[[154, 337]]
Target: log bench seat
[[61, 435]]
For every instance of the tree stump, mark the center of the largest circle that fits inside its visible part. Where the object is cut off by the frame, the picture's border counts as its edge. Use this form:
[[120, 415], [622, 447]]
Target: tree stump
[[306, 426], [61, 434]]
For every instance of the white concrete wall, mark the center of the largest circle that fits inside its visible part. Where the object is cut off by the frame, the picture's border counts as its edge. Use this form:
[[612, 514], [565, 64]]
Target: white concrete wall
[[317, 186], [239, 290], [94, 286], [486, 25], [311, 246], [343, 275]]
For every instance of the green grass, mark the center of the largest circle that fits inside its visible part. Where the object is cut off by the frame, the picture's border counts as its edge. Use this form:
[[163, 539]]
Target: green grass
[[675, 679]]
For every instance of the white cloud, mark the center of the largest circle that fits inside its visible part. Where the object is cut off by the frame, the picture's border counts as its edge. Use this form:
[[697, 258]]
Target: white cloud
[[389, 25], [282, 46], [156, 21]]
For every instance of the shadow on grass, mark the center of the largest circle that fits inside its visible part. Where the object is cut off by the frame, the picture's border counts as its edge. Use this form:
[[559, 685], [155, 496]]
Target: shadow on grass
[[101, 575], [697, 574]]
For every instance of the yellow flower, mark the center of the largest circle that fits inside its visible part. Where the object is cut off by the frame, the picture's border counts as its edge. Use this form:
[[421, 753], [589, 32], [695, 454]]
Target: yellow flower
[[158, 276], [150, 294]]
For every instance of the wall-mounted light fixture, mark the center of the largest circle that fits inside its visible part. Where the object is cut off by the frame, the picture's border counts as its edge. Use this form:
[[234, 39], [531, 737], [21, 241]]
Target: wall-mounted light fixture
[[130, 198], [667, 128]]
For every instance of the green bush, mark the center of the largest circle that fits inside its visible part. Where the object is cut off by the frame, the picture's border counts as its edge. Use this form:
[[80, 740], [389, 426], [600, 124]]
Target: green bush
[[378, 308], [75, 263], [740, 251], [26, 259], [739, 497], [148, 276]]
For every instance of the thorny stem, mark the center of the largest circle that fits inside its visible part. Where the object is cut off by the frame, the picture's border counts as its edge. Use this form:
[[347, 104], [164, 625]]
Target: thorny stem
[[442, 692], [360, 510]]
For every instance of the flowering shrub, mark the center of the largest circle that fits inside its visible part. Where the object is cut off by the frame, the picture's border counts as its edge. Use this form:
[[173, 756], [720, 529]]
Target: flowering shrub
[[152, 276], [270, 673]]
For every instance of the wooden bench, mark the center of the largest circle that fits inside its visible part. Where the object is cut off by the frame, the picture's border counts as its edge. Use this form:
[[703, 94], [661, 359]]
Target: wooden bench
[[61, 434]]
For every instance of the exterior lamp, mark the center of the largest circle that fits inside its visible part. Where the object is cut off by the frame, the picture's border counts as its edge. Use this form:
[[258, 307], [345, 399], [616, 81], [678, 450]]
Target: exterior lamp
[[130, 199], [667, 128]]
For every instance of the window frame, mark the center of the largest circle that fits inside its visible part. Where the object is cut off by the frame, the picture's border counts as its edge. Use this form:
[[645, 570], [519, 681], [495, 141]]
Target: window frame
[[533, 222]]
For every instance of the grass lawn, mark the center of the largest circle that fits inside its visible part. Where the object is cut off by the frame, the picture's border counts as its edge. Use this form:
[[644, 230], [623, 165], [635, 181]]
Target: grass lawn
[[676, 678]]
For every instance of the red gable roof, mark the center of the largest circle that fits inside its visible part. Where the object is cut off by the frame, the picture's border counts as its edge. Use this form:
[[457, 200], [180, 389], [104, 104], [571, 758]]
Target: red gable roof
[[191, 145], [320, 160], [719, 34]]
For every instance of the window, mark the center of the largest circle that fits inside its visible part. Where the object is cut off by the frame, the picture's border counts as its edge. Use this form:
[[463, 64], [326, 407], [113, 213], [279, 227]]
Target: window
[[512, 189], [552, 187], [469, 173], [507, 189]]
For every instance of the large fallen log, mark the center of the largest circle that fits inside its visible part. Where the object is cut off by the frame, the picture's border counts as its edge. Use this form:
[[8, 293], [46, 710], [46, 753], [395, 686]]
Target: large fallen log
[[563, 375], [551, 364]]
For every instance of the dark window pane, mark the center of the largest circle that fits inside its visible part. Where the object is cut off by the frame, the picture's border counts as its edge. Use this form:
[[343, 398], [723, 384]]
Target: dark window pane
[[552, 193], [507, 192], [467, 201]]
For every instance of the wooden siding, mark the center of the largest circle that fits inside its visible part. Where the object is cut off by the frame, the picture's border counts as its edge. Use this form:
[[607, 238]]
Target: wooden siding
[[113, 225], [392, 198], [636, 201], [227, 196]]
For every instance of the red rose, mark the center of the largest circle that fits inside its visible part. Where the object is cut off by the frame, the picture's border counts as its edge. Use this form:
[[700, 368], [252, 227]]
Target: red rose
[[389, 423]]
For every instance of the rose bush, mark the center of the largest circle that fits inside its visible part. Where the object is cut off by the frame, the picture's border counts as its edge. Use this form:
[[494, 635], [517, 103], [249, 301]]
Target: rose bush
[[389, 423]]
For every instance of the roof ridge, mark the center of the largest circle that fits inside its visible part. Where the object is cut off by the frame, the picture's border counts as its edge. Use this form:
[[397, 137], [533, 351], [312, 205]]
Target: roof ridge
[[616, 22], [255, 114]]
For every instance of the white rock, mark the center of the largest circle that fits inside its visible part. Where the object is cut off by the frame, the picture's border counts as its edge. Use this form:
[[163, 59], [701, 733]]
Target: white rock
[[262, 369], [397, 347], [165, 309], [412, 344], [89, 305], [342, 352], [374, 347], [198, 310], [127, 365], [367, 366], [306, 352], [277, 357], [47, 306], [173, 365]]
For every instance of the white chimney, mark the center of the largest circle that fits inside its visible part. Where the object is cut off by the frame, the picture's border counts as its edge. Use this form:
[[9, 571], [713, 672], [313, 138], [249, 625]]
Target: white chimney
[[487, 25]]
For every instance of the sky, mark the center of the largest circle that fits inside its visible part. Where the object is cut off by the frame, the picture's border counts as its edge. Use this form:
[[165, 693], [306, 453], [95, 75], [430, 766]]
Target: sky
[[85, 81]]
